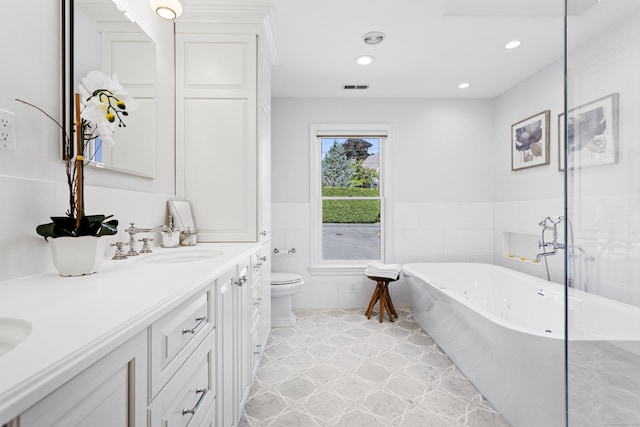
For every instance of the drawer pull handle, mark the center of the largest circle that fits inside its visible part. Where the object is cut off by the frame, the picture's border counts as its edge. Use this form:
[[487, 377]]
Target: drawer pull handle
[[258, 349], [193, 410], [258, 301], [199, 322], [264, 258], [242, 280]]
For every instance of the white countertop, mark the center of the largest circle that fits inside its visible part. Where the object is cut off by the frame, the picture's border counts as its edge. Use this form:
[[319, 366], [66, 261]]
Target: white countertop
[[78, 320]]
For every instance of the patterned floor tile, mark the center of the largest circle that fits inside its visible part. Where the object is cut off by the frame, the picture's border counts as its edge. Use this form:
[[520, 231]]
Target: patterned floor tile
[[336, 368]]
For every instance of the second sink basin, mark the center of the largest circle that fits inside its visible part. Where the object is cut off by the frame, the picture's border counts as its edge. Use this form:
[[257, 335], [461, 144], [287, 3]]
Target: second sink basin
[[176, 257], [12, 332]]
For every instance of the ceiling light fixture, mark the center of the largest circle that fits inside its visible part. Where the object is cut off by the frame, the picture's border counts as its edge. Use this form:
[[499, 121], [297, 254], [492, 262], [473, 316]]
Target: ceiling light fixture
[[374, 37], [167, 9], [463, 85], [512, 44], [364, 59]]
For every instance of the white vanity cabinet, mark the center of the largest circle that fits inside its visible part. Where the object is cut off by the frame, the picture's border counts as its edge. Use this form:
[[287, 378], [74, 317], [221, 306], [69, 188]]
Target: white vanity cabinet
[[187, 360], [233, 368], [175, 336], [110, 393], [182, 363], [256, 312], [260, 304], [189, 396], [265, 302]]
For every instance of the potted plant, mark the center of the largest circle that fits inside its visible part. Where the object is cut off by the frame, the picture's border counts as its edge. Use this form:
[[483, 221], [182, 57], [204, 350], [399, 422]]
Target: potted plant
[[101, 105]]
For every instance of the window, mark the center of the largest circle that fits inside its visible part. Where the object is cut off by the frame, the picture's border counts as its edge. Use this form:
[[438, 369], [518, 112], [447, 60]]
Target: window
[[348, 196]]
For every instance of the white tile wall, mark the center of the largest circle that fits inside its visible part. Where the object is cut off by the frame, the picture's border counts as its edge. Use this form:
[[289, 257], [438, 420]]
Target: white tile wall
[[34, 201], [519, 221], [421, 232]]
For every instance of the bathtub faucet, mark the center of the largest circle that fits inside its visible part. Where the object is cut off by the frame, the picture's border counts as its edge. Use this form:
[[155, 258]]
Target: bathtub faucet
[[549, 224]]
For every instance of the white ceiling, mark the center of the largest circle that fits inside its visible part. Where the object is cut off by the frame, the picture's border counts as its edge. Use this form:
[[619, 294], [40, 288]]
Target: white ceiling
[[430, 47]]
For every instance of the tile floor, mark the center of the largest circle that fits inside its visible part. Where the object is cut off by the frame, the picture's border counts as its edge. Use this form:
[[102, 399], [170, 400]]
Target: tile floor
[[336, 368]]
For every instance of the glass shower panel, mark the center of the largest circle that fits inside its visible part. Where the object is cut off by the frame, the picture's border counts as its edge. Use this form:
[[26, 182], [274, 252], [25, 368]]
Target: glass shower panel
[[602, 157]]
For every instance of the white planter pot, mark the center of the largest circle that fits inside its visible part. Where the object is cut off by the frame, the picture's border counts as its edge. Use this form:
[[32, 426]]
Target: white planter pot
[[76, 256]]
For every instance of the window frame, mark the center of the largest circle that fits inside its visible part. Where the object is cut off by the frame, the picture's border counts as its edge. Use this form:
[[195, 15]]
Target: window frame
[[383, 131]]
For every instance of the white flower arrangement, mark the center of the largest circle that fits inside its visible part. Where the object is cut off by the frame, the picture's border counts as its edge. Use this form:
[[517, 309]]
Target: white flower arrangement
[[100, 107], [103, 105]]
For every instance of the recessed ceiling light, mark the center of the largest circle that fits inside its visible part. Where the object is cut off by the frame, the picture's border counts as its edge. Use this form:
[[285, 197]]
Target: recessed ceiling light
[[373, 37], [364, 59], [512, 44], [463, 85]]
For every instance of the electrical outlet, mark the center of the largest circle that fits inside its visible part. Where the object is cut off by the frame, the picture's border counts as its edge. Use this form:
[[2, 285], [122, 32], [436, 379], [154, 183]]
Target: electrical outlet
[[7, 130], [352, 288]]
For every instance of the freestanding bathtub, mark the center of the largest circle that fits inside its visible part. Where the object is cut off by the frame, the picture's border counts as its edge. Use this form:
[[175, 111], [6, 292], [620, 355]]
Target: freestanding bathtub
[[505, 330]]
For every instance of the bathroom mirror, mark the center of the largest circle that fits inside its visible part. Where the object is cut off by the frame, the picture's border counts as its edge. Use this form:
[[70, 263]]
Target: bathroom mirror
[[102, 37], [182, 215]]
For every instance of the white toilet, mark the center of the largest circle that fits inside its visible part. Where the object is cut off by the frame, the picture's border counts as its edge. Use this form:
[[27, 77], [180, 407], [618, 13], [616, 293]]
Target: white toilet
[[283, 287]]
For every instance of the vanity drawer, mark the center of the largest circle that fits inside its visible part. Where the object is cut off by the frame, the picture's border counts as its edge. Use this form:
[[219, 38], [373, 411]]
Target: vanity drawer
[[188, 398], [256, 301], [175, 336], [256, 267], [256, 347]]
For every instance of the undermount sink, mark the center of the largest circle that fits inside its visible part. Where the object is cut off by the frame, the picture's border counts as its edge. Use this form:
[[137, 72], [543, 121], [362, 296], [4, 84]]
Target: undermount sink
[[12, 332], [176, 257]]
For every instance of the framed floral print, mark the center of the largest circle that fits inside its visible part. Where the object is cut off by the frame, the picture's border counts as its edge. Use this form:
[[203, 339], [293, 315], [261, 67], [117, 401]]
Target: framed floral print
[[530, 142], [592, 134]]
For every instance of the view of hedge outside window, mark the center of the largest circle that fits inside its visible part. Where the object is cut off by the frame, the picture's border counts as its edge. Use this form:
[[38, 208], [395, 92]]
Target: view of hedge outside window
[[351, 220]]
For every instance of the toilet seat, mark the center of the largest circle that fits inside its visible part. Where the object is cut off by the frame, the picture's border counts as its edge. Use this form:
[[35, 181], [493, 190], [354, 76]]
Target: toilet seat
[[279, 279]]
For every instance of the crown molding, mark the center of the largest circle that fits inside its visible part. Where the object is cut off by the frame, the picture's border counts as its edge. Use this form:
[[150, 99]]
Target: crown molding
[[203, 16]]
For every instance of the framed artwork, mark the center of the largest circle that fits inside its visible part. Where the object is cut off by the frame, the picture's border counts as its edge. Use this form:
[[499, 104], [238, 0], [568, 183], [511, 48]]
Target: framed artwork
[[530, 142], [592, 134]]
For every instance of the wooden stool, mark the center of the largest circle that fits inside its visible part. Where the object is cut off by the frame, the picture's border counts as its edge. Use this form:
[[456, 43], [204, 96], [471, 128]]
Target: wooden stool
[[382, 293]]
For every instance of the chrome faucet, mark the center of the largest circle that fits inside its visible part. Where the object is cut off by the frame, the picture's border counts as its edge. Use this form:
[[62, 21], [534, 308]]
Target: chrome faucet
[[550, 224], [132, 230]]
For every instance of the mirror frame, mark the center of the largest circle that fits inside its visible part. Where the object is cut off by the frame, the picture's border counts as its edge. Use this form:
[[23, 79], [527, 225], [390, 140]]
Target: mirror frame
[[66, 71], [68, 90], [183, 218]]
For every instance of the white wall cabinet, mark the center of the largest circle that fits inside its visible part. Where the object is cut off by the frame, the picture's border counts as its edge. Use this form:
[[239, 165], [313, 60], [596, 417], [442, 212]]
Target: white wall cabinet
[[110, 393], [223, 134], [216, 133], [264, 145]]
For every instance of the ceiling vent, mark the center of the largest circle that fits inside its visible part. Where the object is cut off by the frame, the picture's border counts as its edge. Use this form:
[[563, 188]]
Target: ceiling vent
[[355, 87]]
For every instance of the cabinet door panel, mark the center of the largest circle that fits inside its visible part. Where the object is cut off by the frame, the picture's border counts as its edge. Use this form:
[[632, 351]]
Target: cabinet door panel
[[227, 352], [174, 337], [190, 394], [243, 322], [220, 171], [216, 133], [211, 64], [110, 393]]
